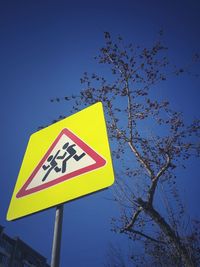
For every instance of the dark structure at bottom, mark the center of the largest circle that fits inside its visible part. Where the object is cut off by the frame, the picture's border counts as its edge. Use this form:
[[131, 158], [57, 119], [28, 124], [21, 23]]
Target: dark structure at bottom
[[16, 253]]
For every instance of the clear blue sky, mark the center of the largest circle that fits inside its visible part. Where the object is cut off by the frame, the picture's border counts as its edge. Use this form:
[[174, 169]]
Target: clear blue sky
[[44, 49]]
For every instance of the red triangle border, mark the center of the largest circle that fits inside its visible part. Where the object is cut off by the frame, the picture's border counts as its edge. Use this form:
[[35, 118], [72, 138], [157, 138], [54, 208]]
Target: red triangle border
[[99, 162]]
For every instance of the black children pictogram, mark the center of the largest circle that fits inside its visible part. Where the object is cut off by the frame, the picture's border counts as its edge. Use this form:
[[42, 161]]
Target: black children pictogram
[[69, 152]]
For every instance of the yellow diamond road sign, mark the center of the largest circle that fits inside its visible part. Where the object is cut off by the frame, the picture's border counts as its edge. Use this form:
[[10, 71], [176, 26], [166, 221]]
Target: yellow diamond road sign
[[64, 161]]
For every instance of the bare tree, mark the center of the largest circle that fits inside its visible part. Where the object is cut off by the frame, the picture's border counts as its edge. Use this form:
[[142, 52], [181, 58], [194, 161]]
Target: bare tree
[[150, 140]]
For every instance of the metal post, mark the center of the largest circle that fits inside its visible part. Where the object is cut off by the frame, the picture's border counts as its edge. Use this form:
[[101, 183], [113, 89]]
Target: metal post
[[55, 255]]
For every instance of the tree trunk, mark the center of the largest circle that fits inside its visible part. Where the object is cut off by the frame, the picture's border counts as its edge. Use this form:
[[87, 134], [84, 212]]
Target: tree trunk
[[169, 232]]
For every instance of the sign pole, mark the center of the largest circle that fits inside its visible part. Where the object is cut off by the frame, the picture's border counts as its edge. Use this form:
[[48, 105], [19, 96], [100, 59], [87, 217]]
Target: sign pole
[[55, 255]]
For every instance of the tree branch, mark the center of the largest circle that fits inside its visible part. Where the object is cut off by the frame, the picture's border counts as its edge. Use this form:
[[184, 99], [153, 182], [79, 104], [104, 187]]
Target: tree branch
[[155, 180], [112, 61], [146, 236], [141, 160], [169, 232], [130, 122], [132, 221], [110, 112]]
